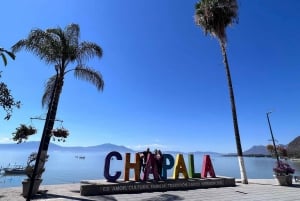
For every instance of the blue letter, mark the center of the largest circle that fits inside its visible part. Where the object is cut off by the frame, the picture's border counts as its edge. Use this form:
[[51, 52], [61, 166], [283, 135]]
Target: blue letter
[[165, 167]]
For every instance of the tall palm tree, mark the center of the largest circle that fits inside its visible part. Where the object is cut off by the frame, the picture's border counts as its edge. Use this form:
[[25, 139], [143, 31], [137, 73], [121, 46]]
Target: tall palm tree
[[10, 54], [60, 48], [214, 16]]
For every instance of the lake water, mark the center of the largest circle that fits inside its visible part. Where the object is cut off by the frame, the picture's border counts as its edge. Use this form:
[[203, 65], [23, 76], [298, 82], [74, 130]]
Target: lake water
[[65, 167]]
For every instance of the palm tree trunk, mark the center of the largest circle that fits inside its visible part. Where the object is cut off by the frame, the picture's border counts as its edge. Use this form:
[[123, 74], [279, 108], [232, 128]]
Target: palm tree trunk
[[52, 116], [234, 116], [46, 137]]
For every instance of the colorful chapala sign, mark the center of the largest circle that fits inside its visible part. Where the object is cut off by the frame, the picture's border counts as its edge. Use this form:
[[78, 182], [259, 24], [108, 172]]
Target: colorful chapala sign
[[178, 164]]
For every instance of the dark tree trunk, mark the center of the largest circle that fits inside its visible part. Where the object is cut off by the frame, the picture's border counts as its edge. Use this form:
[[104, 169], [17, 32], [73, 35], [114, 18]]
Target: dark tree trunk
[[234, 116], [48, 126]]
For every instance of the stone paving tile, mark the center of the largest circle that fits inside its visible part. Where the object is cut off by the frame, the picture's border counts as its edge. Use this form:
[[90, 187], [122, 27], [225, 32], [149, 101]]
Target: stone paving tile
[[260, 190]]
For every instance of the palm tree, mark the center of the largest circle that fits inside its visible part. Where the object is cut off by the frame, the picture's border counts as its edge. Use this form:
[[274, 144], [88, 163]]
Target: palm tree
[[60, 48], [10, 54], [214, 16]]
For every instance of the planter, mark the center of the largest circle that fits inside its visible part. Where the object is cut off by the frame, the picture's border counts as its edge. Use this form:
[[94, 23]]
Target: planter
[[284, 180], [26, 185]]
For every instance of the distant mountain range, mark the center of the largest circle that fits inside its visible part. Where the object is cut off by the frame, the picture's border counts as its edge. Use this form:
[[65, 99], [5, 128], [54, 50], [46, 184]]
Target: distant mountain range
[[33, 146], [293, 149]]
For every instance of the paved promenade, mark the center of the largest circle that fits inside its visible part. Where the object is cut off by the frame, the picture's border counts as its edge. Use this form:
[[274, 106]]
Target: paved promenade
[[256, 190]]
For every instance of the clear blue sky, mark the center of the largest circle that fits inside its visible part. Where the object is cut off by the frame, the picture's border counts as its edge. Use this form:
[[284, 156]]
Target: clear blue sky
[[165, 84]]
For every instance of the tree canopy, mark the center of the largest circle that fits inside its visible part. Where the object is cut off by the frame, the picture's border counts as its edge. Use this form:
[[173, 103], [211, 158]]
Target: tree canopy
[[215, 15], [7, 101]]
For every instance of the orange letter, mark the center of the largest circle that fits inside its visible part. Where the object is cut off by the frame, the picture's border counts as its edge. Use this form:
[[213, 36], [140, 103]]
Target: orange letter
[[135, 166]]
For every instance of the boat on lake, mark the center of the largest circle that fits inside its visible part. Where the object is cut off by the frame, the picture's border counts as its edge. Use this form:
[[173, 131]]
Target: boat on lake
[[80, 157], [13, 170]]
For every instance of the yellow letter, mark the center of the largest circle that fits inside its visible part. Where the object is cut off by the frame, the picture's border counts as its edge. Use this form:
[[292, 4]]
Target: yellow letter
[[180, 167]]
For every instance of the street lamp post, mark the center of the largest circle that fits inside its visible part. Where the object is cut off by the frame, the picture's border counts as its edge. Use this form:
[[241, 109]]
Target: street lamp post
[[275, 148]]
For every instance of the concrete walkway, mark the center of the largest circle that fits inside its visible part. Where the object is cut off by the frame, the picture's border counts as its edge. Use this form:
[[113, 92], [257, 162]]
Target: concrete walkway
[[256, 190]]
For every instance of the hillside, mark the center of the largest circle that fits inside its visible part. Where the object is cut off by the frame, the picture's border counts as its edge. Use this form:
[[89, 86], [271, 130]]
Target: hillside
[[257, 150], [293, 148]]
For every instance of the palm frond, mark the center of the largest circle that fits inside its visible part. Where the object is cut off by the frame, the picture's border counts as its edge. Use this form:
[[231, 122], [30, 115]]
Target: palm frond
[[67, 43], [10, 54], [61, 47], [88, 50], [19, 45], [49, 87], [72, 34], [90, 75], [56, 32], [41, 44], [4, 59]]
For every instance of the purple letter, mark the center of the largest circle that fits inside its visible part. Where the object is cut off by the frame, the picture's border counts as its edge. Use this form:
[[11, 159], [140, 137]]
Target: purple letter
[[107, 176]]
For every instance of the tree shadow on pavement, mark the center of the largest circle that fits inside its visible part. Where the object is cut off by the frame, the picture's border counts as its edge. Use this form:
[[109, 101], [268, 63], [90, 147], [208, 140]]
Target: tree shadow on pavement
[[91, 198]]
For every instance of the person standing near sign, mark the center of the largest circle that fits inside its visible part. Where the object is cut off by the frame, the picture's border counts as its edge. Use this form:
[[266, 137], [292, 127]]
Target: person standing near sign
[[145, 157], [159, 162]]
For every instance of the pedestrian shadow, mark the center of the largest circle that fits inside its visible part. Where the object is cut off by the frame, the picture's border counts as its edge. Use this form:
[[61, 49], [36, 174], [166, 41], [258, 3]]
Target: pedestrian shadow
[[291, 186], [164, 197], [295, 186]]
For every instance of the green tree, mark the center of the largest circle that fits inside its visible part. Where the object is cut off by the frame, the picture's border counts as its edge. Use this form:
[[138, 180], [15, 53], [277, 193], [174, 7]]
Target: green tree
[[7, 101], [214, 16], [60, 48], [3, 52]]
